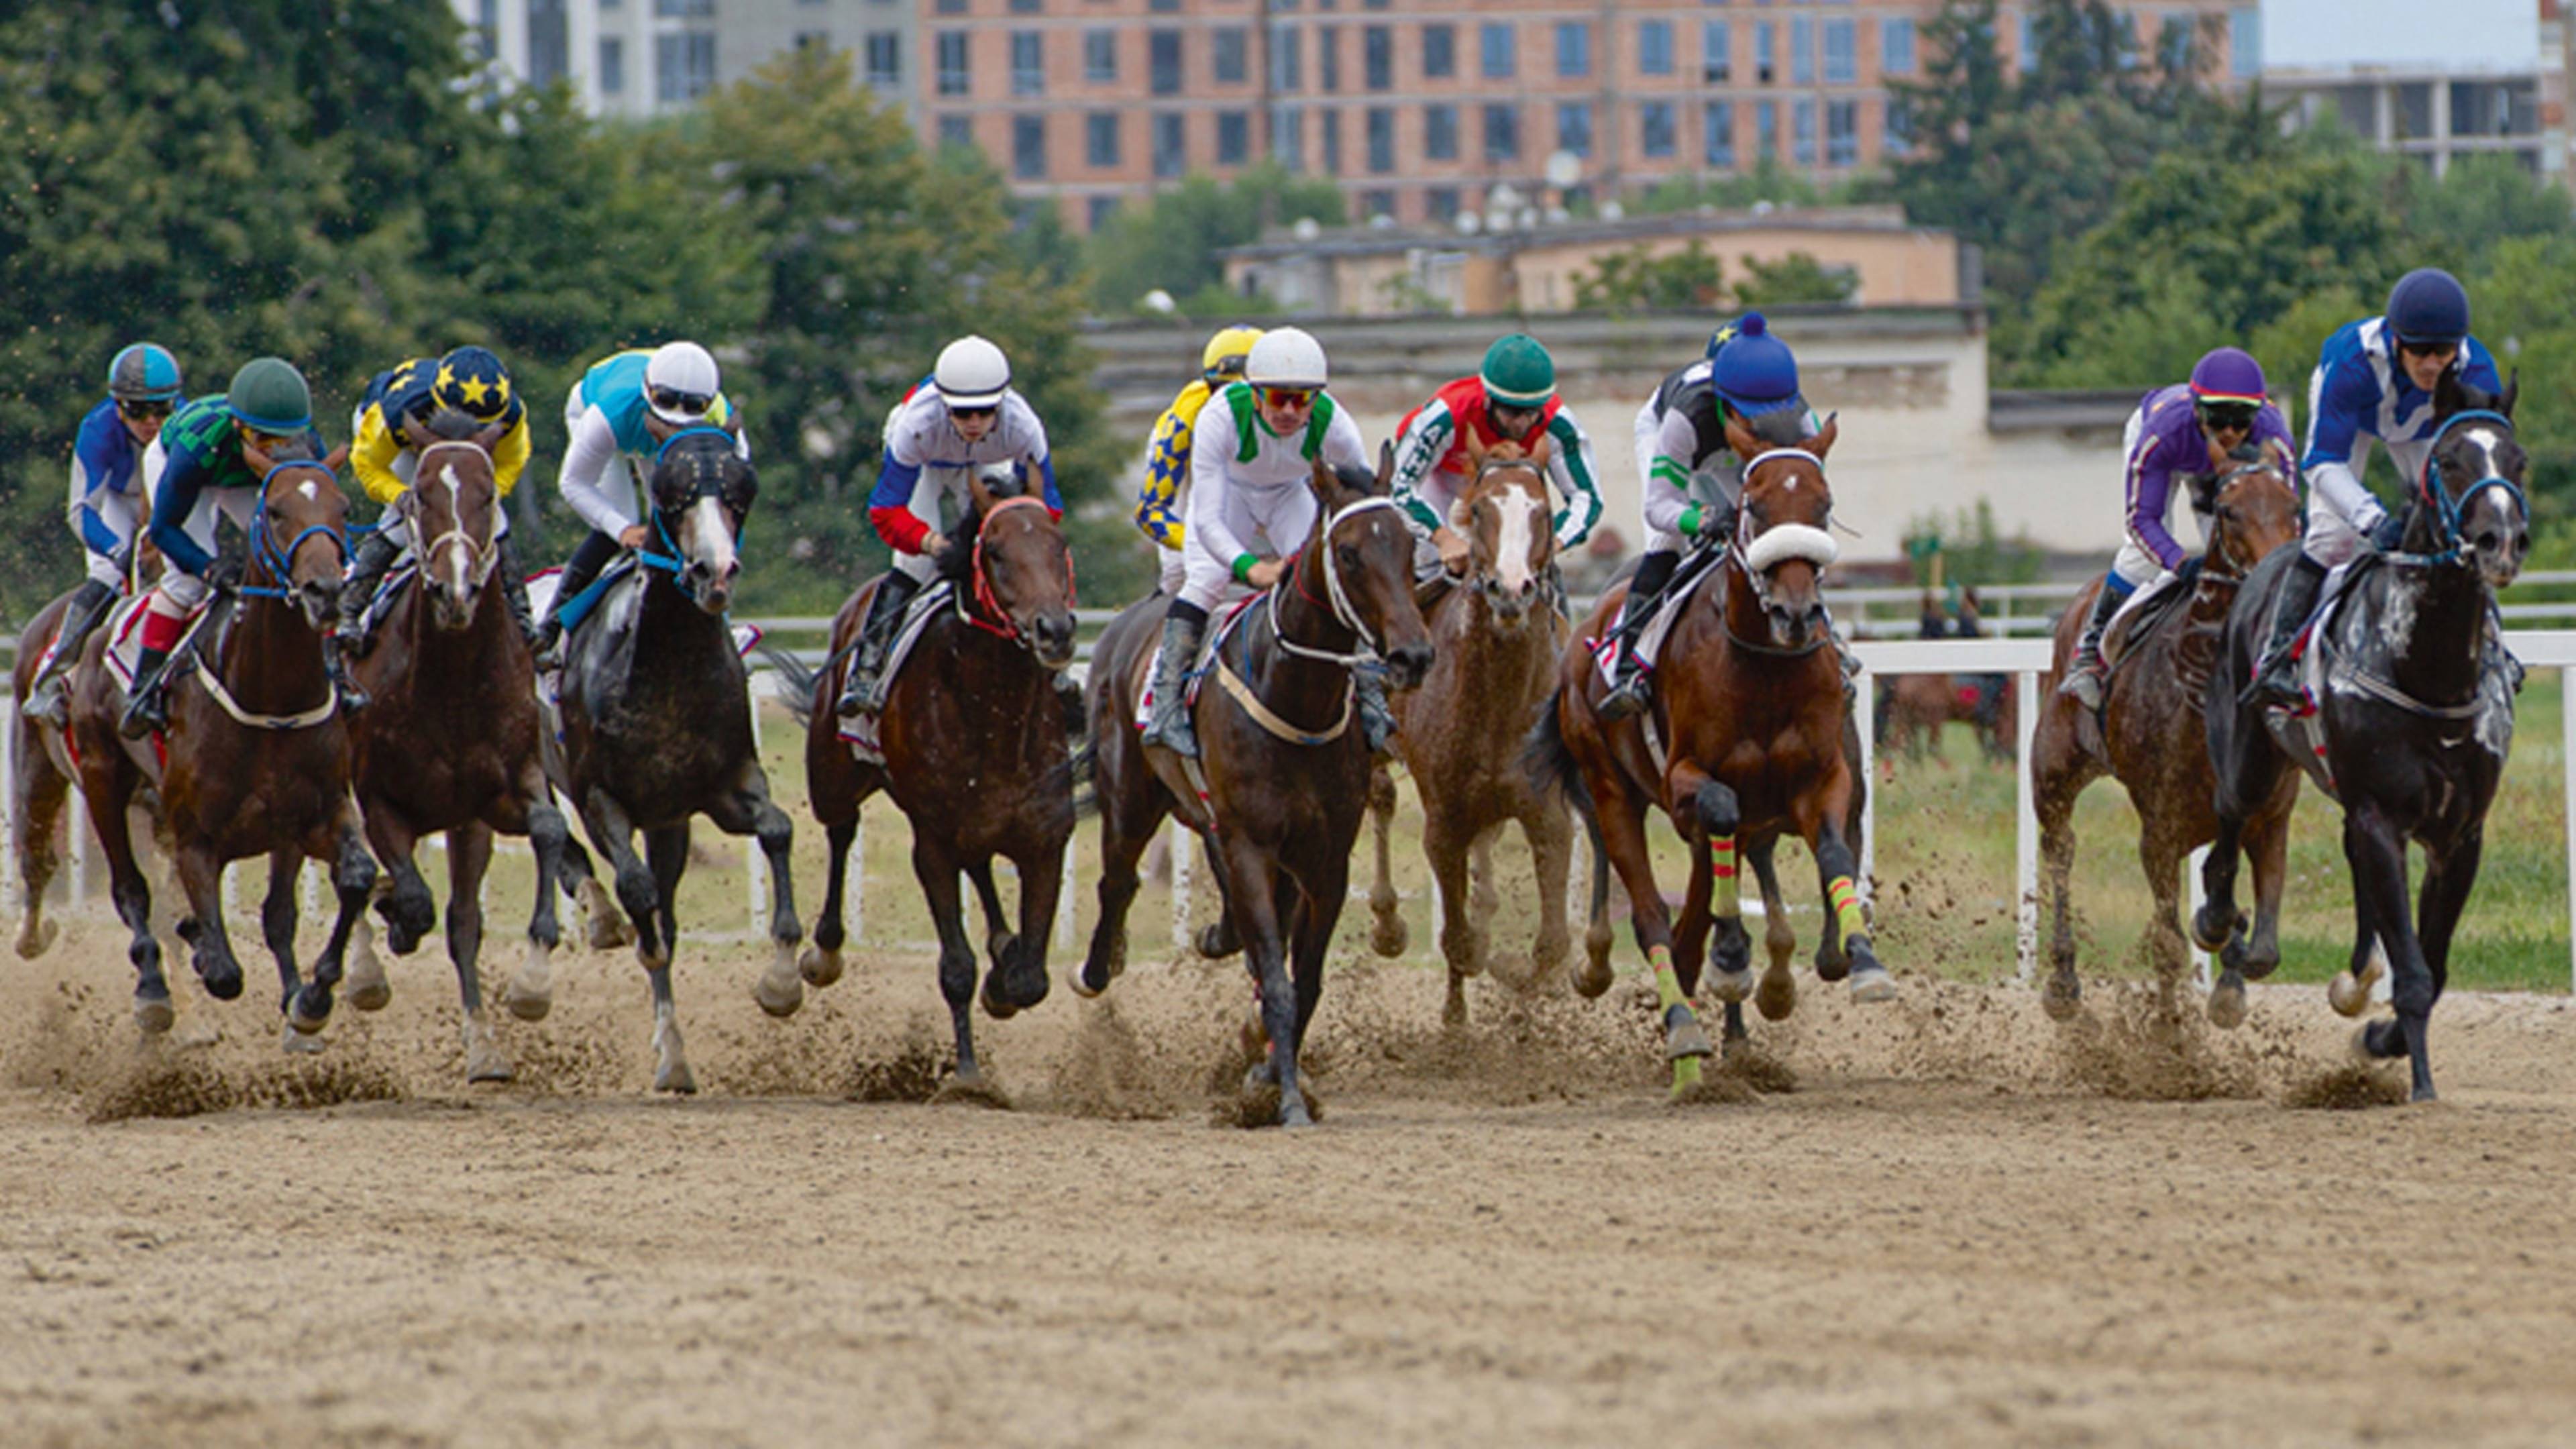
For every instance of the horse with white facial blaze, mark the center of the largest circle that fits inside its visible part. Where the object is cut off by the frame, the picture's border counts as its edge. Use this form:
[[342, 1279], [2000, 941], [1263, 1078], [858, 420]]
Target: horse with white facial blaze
[[452, 742], [2412, 722], [1496, 637], [657, 725], [974, 744], [1283, 772], [1749, 736], [2150, 737]]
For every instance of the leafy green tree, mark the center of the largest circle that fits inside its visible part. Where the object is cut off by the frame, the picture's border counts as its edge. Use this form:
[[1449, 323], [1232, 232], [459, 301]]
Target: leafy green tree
[[1767, 181], [1172, 244], [1797, 277], [1641, 279]]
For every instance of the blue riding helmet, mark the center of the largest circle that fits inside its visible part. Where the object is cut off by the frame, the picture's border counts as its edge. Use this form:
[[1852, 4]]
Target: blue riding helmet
[[1754, 371], [2429, 306], [144, 372]]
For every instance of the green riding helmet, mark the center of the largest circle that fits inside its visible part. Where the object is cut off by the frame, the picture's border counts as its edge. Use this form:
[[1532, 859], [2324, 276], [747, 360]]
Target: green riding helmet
[[268, 395], [1518, 373]]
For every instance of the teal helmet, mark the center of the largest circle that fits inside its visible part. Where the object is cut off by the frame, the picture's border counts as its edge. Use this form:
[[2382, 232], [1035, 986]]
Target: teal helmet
[[269, 396], [1518, 373]]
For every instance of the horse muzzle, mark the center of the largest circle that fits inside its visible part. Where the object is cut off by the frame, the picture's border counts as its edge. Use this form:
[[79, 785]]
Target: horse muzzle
[[1795, 626], [712, 589], [1511, 604], [320, 604], [451, 606], [1406, 664], [1051, 638]]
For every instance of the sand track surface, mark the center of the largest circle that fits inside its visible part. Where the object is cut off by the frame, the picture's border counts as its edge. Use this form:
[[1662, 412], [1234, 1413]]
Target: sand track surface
[[1946, 1221]]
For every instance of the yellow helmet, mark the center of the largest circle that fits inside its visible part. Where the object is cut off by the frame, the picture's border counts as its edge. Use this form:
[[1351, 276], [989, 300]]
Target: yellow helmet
[[1223, 359]]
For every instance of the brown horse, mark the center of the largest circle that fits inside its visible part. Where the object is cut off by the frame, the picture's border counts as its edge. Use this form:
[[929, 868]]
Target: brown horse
[[1283, 775], [1912, 708], [2152, 738], [975, 754], [257, 758], [451, 743], [1496, 639], [1750, 737]]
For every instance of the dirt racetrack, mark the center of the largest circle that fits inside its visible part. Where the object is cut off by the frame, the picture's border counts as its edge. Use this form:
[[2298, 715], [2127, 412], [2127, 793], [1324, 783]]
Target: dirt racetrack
[[1958, 1224]]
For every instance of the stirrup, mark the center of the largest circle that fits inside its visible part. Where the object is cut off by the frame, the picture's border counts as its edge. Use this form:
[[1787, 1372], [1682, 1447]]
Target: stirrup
[[1628, 697]]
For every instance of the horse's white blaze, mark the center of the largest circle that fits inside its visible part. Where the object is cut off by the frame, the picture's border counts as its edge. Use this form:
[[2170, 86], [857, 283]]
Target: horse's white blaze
[[1512, 550], [713, 545], [309, 490]]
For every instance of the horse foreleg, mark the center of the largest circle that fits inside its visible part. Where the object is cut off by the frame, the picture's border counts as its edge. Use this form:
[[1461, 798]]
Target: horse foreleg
[[1777, 992], [1596, 977], [201, 876], [1018, 976], [406, 908], [668, 850], [1846, 946], [1387, 933], [821, 964], [2267, 845], [1622, 819], [2377, 854], [2448, 877], [1710, 817], [469, 855], [1551, 841], [1448, 857], [2056, 810], [609, 829], [936, 869], [1311, 936], [748, 810], [37, 794], [531, 992], [108, 794], [1129, 816], [278, 911], [1252, 899]]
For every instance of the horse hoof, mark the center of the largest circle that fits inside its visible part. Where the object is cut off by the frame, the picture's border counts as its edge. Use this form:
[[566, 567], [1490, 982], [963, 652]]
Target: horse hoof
[[2424, 1093], [1777, 995], [2227, 1002], [779, 997], [223, 983], [1388, 935], [1293, 1113], [2211, 928], [2348, 994], [2062, 998], [1079, 978], [1216, 942], [1870, 983], [1683, 1036], [484, 1059], [367, 987], [995, 1006], [1731, 986], [675, 1078], [299, 1043], [819, 967], [1835, 967], [1595, 977], [307, 1016], [153, 1014], [35, 942]]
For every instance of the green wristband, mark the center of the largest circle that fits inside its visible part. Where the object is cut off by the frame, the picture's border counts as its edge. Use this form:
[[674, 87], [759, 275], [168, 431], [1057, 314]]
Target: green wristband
[[1690, 521], [1243, 563]]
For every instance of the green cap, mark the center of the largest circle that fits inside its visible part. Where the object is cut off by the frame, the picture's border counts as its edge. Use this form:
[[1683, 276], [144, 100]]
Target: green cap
[[1518, 372], [269, 395]]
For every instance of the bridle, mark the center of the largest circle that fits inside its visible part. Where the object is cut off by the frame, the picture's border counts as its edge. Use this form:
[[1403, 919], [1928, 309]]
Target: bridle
[[704, 485], [2445, 508], [1757, 553], [2234, 569], [1336, 597], [484, 554], [278, 563], [986, 602]]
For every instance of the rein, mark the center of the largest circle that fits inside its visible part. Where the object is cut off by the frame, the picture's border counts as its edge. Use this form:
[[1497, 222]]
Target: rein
[[2446, 509], [484, 554], [984, 598], [1742, 551]]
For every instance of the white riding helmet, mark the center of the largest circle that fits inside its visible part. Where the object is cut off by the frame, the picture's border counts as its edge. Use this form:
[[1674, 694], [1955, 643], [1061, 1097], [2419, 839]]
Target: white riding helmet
[[1285, 357], [680, 383], [972, 373]]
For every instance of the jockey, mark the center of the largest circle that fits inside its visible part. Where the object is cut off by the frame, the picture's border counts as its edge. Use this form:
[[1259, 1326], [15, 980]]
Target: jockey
[[1251, 507], [391, 428], [627, 406], [1159, 509], [2374, 379], [108, 501], [2178, 432], [1748, 375], [1511, 399], [962, 417], [211, 459]]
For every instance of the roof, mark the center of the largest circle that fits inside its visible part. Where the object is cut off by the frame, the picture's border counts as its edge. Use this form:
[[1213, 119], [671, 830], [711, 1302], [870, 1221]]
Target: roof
[[1383, 240]]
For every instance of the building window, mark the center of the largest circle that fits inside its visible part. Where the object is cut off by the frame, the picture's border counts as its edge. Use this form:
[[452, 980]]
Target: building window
[[813, 40], [952, 7], [1654, 47], [2245, 43], [1028, 148], [1100, 139], [672, 9], [1171, 146], [1028, 63], [1802, 127], [953, 77], [1232, 44], [1381, 140], [1028, 7], [1842, 133], [612, 66], [1655, 129], [1374, 204], [1897, 130], [1574, 127], [1164, 7], [1440, 133], [1233, 138], [885, 58], [1100, 57], [1717, 136], [1502, 58], [1502, 132], [1441, 204], [957, 131], [1288, 136], [1842, 57], [1764, 33], [1377, 58], [1103, 210], [1766, 131], [685, 62], [1163, 61], [1896, 47], [1716, 58], [1332, 124], [1328, 58], [1287, 58], [1802, 52], [2028, 56], [1439, 52], [548, 43], [1573, 49]]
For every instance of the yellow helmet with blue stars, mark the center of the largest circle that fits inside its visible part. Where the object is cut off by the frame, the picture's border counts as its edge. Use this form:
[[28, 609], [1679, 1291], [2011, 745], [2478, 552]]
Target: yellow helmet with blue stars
[[473, 381]]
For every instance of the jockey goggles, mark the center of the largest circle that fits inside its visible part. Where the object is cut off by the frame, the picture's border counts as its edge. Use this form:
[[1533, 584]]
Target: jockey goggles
[[1288, 397], [2238, 416], [144, 407], [690, 404], [985, 411]]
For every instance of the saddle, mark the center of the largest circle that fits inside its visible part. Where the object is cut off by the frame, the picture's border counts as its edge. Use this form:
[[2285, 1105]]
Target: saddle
[[860, 731], [1213, 640], [1696, 568]]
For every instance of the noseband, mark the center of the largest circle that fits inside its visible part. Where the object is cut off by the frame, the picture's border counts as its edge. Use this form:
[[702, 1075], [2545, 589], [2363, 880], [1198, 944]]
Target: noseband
[[668, 560], [1759, 553], [273, 561], [985, 600], [485, 554], [2447, 509], [1335, 595]]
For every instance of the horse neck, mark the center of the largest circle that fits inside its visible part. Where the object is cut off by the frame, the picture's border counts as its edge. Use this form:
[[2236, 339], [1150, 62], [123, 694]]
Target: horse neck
[[272, 663], [1287, 677], [1741, 612], [667, 613], [1498, 658], [2437, 658]]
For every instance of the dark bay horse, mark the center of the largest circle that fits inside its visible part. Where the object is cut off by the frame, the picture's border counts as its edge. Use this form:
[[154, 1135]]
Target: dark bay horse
[[257, 757], [451, 743], [1912, 708], [1748, 737], [2412, 723], [657, 725], [1284, 773], [2150, 737], [975, 754], [1495, 641]]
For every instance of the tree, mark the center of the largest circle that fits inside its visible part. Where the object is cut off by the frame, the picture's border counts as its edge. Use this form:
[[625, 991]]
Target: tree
[[1639, 279], [1796, 277], [1172, 245]]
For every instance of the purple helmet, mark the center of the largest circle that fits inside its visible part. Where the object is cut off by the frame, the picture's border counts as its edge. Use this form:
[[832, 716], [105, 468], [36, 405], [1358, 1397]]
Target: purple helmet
[[2228, 375]]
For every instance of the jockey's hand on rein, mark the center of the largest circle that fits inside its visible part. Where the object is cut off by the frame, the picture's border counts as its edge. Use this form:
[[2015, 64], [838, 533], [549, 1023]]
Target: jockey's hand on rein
[[2389, 533]]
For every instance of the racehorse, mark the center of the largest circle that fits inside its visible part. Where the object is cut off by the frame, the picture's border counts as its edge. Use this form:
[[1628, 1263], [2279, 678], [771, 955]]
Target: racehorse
[[1749, 735], [1912, 708], [2150, 737], [974, 752], [1495, 639], [451, 741], [2413, 717], [1283, 775], [657, 725], [257, 756]]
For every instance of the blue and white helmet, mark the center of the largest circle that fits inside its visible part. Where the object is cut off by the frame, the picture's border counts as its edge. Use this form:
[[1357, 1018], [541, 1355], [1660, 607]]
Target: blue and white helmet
[[144, 372]]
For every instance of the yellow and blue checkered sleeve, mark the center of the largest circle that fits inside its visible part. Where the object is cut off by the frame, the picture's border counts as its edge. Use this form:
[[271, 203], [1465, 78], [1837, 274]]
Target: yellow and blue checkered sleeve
[[1167, 468]]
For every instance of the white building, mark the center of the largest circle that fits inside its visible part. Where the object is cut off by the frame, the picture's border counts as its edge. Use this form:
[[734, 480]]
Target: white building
[[2485, 76], [638, 58]]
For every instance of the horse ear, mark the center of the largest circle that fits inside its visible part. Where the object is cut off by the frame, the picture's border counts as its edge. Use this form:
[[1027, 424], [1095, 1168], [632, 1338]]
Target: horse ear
[[1740, 440], [1474, 449], [2512, 390], [1823, 442], [1327, 484], [1461, 517], [2204, 492], [2450, 393], [1386, 467], [332, 460], [490, 437]]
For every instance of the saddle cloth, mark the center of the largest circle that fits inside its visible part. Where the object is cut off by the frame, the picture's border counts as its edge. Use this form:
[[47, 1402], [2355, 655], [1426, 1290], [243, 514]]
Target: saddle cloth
[[125, 636], [1650, 640], [541, 596], [1212, 642], [860, 731]]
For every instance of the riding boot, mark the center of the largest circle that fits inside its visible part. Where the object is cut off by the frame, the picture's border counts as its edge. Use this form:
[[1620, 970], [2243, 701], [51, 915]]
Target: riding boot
[[1377, 722], [865, 691], [2276, 674], [46, 696], [376, 553], [1183, 627], [2083, 681], [579, 572], [343, 683], [145, 711], [514, 593], [1627, 694]]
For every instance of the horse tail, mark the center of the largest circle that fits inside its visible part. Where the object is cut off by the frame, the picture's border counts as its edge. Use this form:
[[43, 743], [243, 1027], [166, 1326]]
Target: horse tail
[[1549, 764], [798, 691]]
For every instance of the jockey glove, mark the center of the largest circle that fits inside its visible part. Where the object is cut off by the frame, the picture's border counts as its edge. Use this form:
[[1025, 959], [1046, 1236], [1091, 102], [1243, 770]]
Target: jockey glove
[[2389, 533], [2187, 572]]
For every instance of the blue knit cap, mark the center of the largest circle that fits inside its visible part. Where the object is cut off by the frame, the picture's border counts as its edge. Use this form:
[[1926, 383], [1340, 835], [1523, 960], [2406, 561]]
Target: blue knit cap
[[1755, 371]]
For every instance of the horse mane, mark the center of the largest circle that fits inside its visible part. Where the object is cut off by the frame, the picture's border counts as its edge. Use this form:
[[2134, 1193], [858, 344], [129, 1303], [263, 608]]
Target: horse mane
[[301, 449], [452, 425], [1781, 427], [1358, 480], [1001, 481]]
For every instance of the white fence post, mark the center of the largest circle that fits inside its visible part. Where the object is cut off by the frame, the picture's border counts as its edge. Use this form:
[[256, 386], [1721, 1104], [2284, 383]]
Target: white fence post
[[1065, 885], [755, 866], [2026, 824], [1181, 839], [2567, 802], [1865, 715]]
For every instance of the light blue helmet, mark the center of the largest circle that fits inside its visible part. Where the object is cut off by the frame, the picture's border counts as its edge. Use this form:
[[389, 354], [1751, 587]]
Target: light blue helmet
[[144, 372]]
